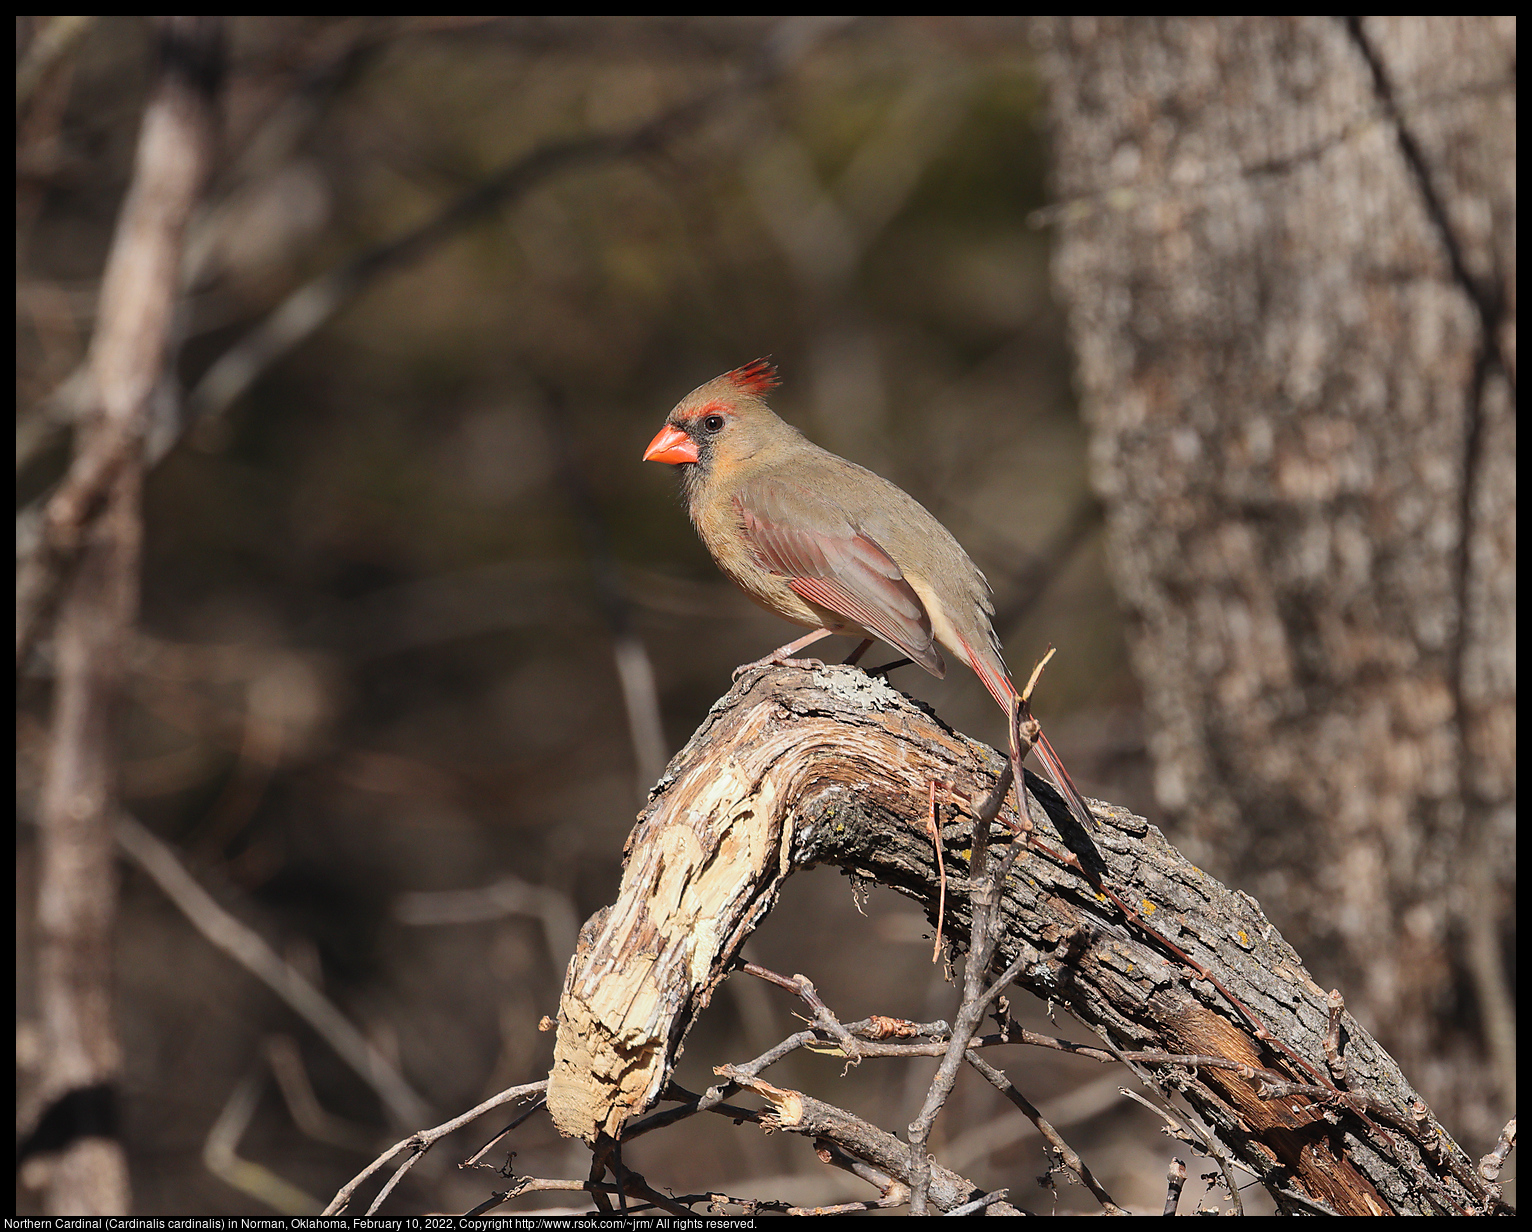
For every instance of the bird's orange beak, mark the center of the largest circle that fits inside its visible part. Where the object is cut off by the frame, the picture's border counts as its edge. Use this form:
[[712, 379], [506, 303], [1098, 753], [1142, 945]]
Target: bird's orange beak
[[671, 445]]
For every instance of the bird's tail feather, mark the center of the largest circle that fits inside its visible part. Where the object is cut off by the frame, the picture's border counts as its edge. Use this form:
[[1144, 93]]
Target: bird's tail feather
[[1062, 781], [990, 668]]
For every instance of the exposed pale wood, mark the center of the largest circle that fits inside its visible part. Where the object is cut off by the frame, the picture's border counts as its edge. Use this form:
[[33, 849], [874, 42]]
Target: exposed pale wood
[[795, 768], [704, 865]]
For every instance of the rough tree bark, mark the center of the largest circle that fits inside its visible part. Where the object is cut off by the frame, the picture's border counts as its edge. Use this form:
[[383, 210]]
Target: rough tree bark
[[1286, 249], [795, 768], [89, 557]]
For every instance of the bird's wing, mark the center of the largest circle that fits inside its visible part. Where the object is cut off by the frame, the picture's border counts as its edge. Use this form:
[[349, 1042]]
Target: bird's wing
[[829, 562]]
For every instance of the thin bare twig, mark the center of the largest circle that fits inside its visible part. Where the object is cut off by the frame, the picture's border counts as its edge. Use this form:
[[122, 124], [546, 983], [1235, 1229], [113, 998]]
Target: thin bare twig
[[308, 308], [794, 1112], [598, 1192], [1189, 1133], [303, 1105], [473, 1160], [637, 1187], [424, 1139], [1331, 1044], [804, 987], [53, 548], [220, 1155], [250, 950], [978, 1204], [891, 1193], [1175, 1181], [710, 1101], [1050, 1135], [507, 896], [941, 875], [1490, 1165], [984, 902]]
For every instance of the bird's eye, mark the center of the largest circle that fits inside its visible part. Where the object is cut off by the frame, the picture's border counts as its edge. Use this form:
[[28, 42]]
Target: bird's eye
[[713, 423]]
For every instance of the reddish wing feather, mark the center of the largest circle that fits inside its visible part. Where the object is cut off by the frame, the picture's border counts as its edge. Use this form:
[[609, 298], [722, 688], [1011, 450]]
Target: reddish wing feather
[[837, 598], [839, 569]]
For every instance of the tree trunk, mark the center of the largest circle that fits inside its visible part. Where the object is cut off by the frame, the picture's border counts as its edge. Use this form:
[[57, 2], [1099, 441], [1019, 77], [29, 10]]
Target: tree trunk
[[1286, 248], [90, 557]]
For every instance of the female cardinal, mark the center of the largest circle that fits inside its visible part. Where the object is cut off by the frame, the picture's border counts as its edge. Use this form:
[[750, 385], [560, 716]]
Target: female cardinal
[[826, 543]]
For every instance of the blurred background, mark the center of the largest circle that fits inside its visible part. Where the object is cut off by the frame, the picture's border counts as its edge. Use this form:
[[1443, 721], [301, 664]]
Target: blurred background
[[418, 629]]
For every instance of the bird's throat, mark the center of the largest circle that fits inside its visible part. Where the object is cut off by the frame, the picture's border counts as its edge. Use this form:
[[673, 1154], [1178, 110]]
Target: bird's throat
[[694, 486]]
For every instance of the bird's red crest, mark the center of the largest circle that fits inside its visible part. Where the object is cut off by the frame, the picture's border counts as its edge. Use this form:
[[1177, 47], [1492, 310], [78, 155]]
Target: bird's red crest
[[755, 378]]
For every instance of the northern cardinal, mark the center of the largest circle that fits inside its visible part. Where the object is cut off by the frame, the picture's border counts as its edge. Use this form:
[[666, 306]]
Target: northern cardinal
[[828, 544]]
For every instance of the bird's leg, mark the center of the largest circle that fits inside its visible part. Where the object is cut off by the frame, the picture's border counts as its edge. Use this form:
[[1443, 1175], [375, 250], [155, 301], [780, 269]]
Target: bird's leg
[[888, 667], [882, 672], [851, 659], [780, 657]]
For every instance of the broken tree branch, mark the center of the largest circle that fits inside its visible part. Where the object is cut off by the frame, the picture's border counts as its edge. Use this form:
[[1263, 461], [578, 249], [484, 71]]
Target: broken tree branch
[[830, 766]]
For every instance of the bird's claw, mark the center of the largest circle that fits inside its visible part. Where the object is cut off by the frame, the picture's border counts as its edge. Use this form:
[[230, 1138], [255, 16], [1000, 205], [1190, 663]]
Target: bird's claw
[[807, 665]]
